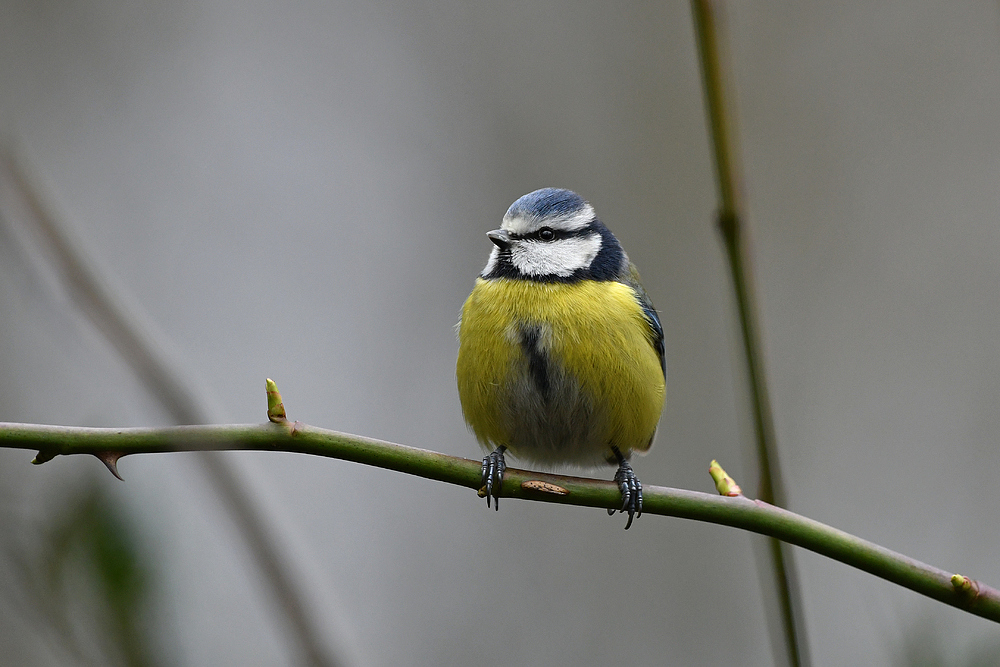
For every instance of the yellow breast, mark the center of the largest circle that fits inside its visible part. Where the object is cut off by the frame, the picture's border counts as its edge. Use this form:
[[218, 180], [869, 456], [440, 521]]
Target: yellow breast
[[558, 372]]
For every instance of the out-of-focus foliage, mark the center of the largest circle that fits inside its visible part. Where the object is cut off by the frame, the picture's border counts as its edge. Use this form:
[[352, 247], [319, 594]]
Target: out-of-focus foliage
[[90, 580]]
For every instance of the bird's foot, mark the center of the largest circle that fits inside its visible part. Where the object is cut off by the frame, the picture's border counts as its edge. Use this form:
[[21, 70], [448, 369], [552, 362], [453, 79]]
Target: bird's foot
[[630, 487], [493, 469]]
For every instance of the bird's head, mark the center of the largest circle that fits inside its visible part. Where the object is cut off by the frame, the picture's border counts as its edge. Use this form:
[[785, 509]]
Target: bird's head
[[553, 235]]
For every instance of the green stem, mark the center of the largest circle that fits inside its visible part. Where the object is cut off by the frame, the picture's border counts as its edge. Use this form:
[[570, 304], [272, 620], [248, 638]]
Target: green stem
[[738, 512], [715, 70]]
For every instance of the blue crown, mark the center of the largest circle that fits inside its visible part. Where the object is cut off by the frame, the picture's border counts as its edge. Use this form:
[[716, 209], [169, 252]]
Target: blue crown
[[545, 203]]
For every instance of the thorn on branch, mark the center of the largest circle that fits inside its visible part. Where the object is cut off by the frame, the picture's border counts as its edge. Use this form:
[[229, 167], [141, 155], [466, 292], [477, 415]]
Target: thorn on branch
[[110, 459], [725, 484], [275, 408], [43, 457]]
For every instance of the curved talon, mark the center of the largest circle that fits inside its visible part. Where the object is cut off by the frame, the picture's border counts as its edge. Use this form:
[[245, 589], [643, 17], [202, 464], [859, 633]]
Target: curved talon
[[493, 470], [630, 487]]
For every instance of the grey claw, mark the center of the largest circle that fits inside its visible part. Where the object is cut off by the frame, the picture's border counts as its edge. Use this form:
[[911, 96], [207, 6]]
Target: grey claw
[[494, 467], [631, 489]]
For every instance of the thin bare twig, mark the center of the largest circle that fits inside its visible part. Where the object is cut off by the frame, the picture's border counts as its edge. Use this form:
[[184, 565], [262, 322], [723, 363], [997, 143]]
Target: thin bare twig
[[738, 511]]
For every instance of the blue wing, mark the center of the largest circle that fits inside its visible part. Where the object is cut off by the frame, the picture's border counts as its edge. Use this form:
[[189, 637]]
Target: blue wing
[[657, 332], [655, 328]]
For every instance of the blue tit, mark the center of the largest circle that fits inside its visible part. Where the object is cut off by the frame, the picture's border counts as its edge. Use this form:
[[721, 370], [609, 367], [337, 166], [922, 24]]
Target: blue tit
[[560, 357]]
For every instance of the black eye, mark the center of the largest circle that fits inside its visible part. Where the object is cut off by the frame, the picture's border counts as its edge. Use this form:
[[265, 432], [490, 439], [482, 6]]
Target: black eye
[[546, 234]]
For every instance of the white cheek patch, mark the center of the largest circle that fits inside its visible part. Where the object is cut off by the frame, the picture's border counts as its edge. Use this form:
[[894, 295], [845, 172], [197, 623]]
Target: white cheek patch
[[555, 258], [569, 222], [491, 262]]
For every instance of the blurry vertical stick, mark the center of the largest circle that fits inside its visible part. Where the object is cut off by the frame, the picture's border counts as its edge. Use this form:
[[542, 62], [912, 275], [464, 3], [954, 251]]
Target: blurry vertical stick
[[132, 339], [715, 72]]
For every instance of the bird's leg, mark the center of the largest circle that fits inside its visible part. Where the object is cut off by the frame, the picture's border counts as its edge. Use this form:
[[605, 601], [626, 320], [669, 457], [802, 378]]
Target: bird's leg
[[493, 469], [630, 486]]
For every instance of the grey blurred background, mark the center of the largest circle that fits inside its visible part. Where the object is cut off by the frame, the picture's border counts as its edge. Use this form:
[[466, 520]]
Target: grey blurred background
[[301, 191]]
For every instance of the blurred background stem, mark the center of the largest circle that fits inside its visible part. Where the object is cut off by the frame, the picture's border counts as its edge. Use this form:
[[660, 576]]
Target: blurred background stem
[[133, 339], [711, 40]]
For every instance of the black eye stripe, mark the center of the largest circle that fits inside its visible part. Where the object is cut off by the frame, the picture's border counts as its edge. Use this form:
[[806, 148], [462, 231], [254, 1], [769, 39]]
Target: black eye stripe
[[557, 234]]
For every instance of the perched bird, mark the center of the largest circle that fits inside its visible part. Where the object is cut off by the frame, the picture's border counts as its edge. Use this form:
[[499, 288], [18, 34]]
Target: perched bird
[[560, 357]]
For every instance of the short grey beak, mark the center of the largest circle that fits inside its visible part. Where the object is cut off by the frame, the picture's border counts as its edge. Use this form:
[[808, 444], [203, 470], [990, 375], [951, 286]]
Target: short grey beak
[[500, 238]]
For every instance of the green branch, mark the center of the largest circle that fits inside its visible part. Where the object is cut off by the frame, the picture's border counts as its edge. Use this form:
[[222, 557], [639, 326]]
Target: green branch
[[738, 511]]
